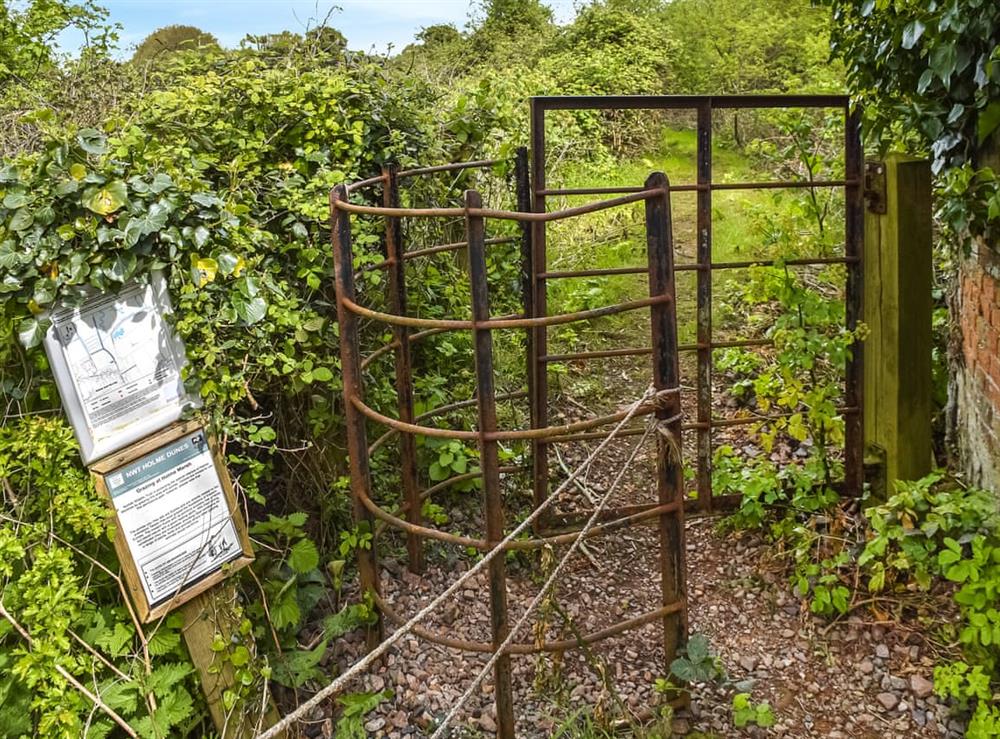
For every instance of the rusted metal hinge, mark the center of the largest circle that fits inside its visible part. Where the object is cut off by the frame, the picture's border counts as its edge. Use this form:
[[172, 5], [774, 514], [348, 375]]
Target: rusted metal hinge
[[875, 187]]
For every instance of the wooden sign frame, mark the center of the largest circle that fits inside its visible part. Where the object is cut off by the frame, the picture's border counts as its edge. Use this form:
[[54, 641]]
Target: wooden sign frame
[[102, 470]]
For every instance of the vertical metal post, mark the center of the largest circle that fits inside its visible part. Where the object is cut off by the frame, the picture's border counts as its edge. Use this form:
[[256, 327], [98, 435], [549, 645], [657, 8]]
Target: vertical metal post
[[523, 184], [489, 460], [540, 396], [666, 377], [704, 294], [357, 436], [854, 250], [404, 374]]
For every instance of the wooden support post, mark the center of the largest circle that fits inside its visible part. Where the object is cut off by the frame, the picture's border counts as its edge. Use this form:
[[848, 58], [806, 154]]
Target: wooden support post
[[897, 311], [211, 613]]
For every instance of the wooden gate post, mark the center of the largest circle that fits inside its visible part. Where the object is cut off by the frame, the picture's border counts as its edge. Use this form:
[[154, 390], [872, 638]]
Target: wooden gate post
[[897, 310]]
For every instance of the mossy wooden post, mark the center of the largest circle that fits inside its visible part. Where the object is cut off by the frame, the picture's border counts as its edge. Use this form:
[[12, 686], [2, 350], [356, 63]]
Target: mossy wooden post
[[897, 311], [211, 613]]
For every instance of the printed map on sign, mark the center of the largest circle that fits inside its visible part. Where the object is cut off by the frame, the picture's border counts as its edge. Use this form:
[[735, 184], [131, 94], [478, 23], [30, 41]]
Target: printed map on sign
[[123, 364], [174, 516]]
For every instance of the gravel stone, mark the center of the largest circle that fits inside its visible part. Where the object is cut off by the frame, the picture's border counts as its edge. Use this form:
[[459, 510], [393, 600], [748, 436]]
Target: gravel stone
[[920, 686], [888, 700]]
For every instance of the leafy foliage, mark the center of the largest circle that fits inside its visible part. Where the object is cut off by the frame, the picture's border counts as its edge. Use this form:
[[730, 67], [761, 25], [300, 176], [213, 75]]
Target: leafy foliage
[[697, 664], [928, 75], [746, 712]]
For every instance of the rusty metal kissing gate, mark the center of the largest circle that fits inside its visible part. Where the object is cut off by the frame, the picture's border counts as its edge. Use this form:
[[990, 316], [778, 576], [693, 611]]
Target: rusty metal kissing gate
[[668, 510], [532, 215]]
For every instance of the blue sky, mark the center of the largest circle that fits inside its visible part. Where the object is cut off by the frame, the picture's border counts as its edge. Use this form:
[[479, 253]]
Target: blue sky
[[368, 24]]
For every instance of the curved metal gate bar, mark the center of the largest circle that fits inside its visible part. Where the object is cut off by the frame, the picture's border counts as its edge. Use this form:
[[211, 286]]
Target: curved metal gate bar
[[664, 408]]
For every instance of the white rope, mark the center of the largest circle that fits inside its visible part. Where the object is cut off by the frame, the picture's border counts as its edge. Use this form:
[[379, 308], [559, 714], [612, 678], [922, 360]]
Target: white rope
[[366, 661], [544, 590]]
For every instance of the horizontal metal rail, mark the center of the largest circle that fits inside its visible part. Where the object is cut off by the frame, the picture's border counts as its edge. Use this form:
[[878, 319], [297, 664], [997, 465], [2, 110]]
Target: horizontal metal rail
[[674, 102], [545, 646], [502, 323], [695, 267], [706, 187], [429, 532], [462, 435], [506, 215]]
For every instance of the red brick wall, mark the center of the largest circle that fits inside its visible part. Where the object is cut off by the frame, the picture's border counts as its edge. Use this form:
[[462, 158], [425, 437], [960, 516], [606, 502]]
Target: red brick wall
[[978, 380]]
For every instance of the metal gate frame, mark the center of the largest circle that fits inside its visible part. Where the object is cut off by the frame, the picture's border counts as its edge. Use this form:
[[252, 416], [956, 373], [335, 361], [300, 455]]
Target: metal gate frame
[[663, 408], [704, 106]]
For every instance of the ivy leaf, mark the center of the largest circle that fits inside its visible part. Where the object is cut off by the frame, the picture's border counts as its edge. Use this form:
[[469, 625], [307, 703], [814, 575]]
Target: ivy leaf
[[989, 121], [303, 556], [160, 183], [155, 219], [228, 262], [31, 331], [201, 235], [15, 200], [105, 200], [206, 200], [92, 141], [77, 171], [251, 310], [205, 270], [942, 61], [912, 33], [67, 187], [22, 220], [122, 266]]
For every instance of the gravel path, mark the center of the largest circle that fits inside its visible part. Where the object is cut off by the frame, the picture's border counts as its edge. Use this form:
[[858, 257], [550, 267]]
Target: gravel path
[[845, 680]]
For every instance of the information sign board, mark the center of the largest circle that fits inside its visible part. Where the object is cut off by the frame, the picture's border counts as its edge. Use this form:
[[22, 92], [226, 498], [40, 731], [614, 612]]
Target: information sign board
[[179, 530], [118, 367]]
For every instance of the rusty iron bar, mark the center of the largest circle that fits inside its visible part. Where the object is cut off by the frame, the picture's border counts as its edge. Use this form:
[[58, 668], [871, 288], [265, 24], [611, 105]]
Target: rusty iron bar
[[414, 338], [704, 306], [506, 215], [694, 267], [695, 425], [543, 103], [523, 649], [404, 369], [489, 460], [539, 542], [522, 178], [500, 323], [694, 187], [494, 435], [539, 401], [854, 442], [357, 435], [666, 380]]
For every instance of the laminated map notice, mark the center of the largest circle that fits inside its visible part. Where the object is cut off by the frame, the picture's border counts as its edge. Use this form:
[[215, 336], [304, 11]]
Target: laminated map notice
[[174, 516], [118, 367]]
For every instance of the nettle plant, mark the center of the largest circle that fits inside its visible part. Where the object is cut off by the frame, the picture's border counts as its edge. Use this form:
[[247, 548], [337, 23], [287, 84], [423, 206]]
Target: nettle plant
[[64, 606]]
